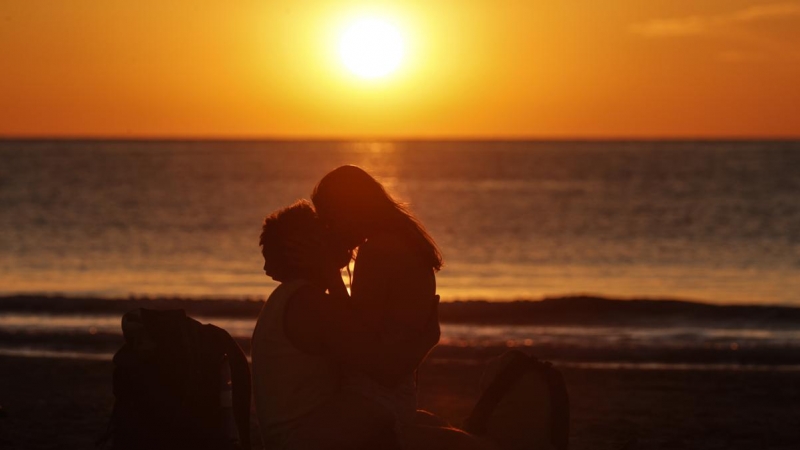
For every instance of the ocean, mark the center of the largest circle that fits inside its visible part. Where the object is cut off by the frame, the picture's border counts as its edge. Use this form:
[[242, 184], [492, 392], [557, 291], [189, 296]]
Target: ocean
[[707, 221], [90, 228]]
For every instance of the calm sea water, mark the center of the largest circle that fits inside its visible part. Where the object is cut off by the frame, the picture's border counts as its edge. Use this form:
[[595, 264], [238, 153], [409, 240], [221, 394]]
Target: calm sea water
[[710, 221]]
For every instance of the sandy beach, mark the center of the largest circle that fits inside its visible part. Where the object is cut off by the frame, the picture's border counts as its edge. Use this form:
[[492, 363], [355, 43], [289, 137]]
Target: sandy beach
[[65, 404], [717, 378]]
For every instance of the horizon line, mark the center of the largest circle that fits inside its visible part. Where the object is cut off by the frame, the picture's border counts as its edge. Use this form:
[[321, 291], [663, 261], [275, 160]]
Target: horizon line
[[378, 138]]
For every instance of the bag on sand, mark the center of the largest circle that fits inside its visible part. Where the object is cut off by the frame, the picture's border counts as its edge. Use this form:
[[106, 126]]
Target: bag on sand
[[524, 404], [178, 384]]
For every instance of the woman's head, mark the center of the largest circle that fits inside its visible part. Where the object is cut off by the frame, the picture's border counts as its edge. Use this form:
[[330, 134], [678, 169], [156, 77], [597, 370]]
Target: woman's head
[[354, 206], [296, 223]]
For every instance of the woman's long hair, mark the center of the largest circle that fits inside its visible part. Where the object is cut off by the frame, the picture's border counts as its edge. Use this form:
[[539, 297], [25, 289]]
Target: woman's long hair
[[350, 190]]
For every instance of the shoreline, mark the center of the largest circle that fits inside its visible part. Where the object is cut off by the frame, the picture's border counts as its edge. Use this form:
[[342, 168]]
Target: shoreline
[[574, 331], [102, 346]]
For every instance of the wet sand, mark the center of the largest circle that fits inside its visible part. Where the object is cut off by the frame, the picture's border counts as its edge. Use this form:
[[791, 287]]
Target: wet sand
[[65, 404]]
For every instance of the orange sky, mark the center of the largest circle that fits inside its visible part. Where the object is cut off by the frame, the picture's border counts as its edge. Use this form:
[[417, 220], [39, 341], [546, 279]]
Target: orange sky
[[473, 69]]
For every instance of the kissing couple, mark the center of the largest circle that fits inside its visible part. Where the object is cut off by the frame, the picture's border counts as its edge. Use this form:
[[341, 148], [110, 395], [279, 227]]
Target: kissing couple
[[334, 369]]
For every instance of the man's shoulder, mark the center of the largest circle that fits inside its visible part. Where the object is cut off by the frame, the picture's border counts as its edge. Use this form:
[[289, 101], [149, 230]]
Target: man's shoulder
[[306, 311]]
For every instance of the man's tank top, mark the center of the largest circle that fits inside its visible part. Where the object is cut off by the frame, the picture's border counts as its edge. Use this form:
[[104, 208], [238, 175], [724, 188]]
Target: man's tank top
[[287, 383]]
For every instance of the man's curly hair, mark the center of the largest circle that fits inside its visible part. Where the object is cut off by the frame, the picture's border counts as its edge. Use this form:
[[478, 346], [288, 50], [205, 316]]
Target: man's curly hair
[[294, 221], [297, 221]]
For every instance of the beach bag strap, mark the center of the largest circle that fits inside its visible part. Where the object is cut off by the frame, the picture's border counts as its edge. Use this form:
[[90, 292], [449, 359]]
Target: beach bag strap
[[494, 393], [559, 403], [505, 381], [240, 379]]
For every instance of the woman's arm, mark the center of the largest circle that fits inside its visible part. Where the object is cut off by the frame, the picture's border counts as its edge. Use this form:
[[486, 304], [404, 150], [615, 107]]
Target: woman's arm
[[393, 292], [316, 323], [391, 278], [353, 330], [356, 344]]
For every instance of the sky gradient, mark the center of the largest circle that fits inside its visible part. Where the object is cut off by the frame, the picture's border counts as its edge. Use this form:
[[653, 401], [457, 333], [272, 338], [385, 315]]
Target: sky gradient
[[476, 69]]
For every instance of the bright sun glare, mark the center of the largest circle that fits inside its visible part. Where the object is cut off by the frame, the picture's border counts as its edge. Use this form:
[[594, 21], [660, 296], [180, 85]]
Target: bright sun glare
[[371, 47]]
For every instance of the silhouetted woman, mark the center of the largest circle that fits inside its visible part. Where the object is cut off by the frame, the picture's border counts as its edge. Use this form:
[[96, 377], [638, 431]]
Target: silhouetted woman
[[394, 281]]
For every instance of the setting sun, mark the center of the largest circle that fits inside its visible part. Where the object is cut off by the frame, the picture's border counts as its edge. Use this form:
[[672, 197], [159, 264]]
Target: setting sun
[[371, 48]]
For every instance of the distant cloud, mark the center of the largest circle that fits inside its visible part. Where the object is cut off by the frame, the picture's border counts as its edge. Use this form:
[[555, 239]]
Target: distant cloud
[[697, 25]]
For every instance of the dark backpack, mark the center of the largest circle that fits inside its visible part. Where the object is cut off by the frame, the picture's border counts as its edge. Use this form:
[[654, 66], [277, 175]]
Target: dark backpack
[[178, 384], [524, 405]]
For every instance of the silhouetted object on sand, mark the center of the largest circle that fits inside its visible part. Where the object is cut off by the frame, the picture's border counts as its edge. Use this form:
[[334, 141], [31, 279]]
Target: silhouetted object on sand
[[524, 402], [170, 378]]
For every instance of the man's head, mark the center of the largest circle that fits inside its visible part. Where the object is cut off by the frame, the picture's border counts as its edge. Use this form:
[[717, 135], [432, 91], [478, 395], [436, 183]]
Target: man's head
[[296, 223]]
